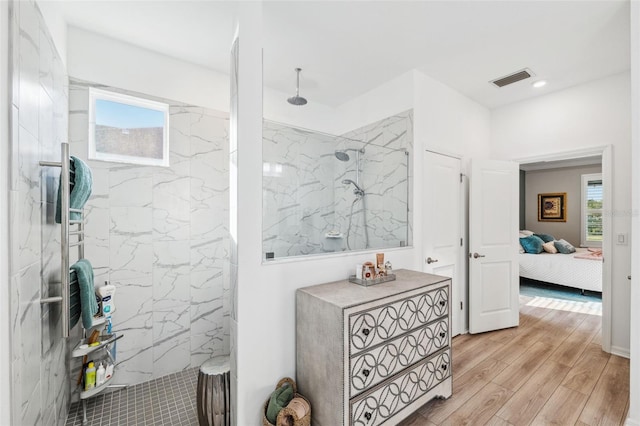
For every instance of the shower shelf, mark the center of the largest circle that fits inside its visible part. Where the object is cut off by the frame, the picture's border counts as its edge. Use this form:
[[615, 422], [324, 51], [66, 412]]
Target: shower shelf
[[104, 341], [96, 390]]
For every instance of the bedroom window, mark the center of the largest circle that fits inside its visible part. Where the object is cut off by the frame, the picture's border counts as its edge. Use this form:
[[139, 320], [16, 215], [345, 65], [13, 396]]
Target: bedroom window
[[128, 129], [592, 210]]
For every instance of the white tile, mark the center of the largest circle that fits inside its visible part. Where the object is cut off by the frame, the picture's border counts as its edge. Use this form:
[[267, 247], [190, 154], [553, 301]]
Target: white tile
[[130, 187], [46, 61], [29, 90], [171, 347], [171, 273]]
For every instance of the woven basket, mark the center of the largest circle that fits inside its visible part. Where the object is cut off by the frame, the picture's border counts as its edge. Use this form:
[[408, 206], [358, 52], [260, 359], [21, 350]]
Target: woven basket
[[287, 412]]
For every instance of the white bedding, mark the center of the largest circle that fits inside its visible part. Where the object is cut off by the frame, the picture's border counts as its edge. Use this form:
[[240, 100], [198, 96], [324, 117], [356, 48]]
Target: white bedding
[[563, 269]]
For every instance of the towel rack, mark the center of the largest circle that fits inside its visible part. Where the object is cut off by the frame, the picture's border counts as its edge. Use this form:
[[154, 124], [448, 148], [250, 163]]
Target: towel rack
[[65, 233]]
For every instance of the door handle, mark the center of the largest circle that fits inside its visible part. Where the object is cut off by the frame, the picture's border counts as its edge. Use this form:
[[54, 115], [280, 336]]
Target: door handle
[[476, 255], [430, 260]]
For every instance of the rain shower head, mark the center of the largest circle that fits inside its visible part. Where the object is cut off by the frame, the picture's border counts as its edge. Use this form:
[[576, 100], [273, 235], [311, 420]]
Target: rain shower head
[[342, 156], [297, 99]]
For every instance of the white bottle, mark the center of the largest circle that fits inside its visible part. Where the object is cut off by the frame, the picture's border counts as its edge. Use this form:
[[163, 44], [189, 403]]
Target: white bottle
[[100, 375], [109, 371], [106, 293]]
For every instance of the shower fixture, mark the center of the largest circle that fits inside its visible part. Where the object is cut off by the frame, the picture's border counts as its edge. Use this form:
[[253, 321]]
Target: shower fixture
[[358, 191], [341, 154], [297, 99]]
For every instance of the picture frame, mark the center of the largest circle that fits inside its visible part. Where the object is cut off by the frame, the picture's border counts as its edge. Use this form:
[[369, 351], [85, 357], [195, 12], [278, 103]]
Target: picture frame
[[552, 207]]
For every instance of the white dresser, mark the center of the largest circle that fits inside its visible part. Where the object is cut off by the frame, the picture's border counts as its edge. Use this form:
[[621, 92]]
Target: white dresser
[[373, 355]]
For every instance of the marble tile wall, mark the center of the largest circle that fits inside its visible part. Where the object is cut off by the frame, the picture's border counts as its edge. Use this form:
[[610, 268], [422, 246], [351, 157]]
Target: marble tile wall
[[385, 175], [298, 192], [304, 197], [39, 94], [161, 236]]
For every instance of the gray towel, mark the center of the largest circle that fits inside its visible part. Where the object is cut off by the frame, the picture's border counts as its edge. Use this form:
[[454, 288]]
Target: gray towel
[[81, 180]]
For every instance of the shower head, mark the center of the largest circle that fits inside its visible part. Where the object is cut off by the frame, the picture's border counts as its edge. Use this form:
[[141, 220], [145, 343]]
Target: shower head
[[342, 156], [358, 190], [297, 99]]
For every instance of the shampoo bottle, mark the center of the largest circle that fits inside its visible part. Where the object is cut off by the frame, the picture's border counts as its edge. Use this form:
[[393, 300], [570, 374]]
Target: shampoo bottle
[[90, 377], [106, 293], [100, 375]]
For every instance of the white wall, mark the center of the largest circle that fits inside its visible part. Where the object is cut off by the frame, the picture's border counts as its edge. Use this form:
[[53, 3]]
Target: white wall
[[590, 115], [266, 292], [633, 416], [103, 60]]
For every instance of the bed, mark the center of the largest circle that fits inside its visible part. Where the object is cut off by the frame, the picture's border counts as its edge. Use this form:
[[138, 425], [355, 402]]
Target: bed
[[564, 269]]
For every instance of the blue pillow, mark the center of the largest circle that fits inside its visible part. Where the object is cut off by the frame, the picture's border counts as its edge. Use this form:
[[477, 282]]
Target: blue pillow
[[545, 237], [564, 247], [532, 244]]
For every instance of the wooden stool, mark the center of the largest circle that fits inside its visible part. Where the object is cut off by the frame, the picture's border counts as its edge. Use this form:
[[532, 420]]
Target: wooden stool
[[213, 396]]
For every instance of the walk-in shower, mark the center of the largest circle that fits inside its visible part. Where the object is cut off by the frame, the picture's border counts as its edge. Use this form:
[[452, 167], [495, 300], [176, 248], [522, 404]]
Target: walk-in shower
[[318, 186], [358, 191]]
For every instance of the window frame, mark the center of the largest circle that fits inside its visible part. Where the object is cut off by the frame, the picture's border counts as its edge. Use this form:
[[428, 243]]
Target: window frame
[[100, 94], [585, 211]]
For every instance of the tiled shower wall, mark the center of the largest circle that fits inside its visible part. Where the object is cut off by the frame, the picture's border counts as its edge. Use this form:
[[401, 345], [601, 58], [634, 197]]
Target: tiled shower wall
[[299, 167], [386, 175], [304, 197], [161, 236], [39, 96]]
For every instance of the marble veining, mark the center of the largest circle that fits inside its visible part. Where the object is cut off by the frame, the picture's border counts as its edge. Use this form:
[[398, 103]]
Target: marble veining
[[161, 236], [39, 97], [304, 197]]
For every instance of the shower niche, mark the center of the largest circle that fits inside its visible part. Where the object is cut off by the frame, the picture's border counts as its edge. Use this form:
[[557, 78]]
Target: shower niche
[[326, 193]]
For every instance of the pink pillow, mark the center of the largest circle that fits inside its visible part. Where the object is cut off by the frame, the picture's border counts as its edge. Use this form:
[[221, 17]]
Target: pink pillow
[[549, 247]]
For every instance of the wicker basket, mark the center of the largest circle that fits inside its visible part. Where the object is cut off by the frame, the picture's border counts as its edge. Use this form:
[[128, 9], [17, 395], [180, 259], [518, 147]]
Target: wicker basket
[[287, 412]]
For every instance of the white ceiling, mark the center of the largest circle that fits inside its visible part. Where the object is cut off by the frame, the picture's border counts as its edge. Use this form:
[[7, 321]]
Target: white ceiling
[[349, 47]]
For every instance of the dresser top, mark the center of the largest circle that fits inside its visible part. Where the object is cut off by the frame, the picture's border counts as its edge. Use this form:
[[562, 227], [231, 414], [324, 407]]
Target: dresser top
[[345, 294]]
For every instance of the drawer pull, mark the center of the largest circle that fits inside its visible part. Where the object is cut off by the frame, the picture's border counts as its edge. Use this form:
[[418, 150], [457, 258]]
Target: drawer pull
[[367, 415], [365, 372], [442, 334], [444, 366], [442, 303], [366, 331]]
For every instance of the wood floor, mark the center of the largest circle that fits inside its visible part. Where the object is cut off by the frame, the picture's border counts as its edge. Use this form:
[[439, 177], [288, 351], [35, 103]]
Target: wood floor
[[548, 371]]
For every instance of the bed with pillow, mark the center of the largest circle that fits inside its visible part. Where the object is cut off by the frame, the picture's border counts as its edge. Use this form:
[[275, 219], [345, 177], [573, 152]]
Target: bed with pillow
[[543, 258]]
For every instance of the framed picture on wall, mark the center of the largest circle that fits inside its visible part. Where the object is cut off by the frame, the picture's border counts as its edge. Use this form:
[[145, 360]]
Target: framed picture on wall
[[552, 207]]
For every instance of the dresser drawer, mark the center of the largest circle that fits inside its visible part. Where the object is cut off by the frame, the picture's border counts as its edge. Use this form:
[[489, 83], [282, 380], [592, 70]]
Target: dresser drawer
[[374, 366], [387, 400], [371, 327]]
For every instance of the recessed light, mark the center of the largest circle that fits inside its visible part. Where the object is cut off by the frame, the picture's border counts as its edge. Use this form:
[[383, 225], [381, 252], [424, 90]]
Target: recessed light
[[539, 83]]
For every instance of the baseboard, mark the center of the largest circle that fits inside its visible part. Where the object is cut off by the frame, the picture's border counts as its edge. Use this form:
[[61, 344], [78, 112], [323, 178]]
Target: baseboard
[[623, 352]]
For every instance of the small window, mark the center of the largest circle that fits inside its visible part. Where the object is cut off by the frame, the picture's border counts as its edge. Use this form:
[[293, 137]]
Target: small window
[[127, 129], [592, 210]]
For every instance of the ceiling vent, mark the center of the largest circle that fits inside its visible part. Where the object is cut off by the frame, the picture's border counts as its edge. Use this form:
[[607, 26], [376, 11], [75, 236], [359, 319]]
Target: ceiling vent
[[513, 78]]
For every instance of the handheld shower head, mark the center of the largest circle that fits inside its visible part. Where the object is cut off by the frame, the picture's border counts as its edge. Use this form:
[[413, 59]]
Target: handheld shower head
[[358, 190]]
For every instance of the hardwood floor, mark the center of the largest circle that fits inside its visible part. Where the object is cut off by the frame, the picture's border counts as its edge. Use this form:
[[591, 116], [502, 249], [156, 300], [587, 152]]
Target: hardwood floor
[[548, 371]]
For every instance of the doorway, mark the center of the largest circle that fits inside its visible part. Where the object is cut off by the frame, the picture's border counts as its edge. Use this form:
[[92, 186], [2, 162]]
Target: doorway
[[576, 163]]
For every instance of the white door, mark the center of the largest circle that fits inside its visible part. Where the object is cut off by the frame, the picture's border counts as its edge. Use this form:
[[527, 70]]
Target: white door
[[493, 246], [442, 236]]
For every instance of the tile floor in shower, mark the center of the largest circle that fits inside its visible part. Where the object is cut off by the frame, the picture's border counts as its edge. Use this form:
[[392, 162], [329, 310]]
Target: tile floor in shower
[[166, 401]]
